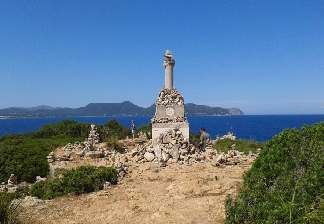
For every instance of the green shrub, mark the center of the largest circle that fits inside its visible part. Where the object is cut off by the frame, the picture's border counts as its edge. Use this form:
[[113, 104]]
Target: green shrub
[[242, 145], [83, 179], [114, 145], [113, 130], [146, 129], [194, 139], [66, 128], [25, 155], [8, 211], [286, 182]]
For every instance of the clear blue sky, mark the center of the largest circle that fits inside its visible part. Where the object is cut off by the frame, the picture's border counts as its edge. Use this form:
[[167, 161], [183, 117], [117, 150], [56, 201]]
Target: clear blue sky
[[265, 57]]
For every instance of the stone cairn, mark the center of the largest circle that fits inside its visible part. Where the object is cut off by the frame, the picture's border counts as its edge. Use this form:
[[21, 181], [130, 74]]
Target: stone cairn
[[92, 140], [89, 148]]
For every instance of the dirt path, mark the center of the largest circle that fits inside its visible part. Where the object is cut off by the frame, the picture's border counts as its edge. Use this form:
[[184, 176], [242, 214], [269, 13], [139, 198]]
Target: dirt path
[[150, 194]]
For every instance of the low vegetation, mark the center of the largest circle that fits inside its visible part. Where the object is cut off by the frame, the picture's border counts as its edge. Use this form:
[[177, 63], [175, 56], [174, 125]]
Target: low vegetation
[[112, 130], [244, 146], [83, 179], [7, 211], [25, 155], [225, 145], [115, 146], [286, 182], [146, 129], [194, 139]]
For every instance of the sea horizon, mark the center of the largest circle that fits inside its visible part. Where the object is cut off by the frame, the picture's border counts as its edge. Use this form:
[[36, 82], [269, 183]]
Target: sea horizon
[[252, 127]]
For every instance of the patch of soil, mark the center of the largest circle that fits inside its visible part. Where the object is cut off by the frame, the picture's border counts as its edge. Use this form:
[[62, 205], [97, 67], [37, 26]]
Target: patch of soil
[[150, 194]]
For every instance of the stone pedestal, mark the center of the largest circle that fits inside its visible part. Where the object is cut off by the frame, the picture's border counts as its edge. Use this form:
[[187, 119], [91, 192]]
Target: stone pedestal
[[160, 128]]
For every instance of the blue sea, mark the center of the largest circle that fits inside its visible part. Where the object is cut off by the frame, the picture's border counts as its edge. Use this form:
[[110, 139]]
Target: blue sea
[[256, 127]]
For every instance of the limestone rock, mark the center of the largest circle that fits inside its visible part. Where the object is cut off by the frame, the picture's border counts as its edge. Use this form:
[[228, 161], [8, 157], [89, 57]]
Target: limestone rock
[[39, 179], [12, 180], [94, 154], [149, 156], [28, 201], [107, 185], [165, 157], [221, 158]]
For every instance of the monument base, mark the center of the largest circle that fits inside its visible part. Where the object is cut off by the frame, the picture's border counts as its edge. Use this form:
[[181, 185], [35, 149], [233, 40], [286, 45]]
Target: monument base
[[159, 128]]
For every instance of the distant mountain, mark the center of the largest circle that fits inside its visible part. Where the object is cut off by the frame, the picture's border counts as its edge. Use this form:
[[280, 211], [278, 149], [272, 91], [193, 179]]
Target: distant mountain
[[41, 107], [111, 109], [194, 109]]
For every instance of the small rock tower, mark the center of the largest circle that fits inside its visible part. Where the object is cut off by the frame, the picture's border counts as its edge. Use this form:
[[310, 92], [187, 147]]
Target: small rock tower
[[169, 114]]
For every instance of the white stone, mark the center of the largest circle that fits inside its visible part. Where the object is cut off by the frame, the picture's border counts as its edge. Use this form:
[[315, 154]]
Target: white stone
[[165, 156], [149, 156], [39, 178], [221, 158]]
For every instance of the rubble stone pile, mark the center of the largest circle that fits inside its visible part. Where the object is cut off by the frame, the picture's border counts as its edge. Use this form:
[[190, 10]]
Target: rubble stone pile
[[232, 157], [169, 96], [90, 148], [77, 146], [12, 185], [172, 147]]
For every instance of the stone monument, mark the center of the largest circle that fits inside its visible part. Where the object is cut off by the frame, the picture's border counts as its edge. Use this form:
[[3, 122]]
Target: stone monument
[[169, 114]]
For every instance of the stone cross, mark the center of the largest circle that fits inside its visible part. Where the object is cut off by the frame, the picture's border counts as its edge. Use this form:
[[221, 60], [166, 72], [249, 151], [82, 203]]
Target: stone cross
[[168, 63]]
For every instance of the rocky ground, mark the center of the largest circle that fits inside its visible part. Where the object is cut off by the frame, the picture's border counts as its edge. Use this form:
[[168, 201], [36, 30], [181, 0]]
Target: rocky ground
[[171, 181], [149, 193]]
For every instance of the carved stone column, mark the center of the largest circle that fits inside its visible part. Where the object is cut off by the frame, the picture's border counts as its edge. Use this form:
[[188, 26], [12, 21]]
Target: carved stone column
[[168, 63]]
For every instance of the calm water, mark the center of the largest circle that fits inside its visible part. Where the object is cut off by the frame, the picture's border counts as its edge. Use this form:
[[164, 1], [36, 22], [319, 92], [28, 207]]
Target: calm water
[[257, 127]]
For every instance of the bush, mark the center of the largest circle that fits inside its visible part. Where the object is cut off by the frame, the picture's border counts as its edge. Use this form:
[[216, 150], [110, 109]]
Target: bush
[[8, 211], [25, 155], [67, 128], [286, 182], [112, 130], [114, 145], [245, 146], [146, 129], [83, 179], [194, 139]]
